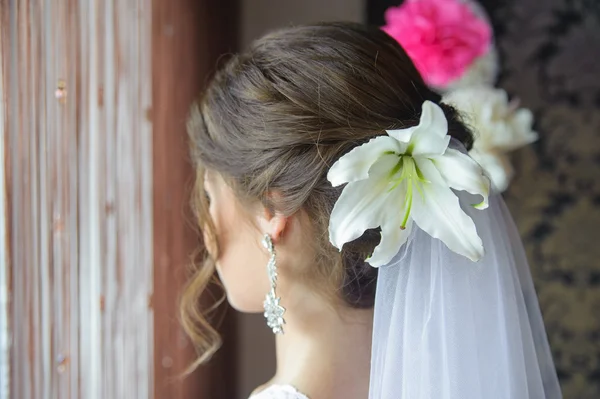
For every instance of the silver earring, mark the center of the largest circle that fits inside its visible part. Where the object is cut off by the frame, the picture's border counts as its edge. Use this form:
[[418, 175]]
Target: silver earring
[[273, 310]]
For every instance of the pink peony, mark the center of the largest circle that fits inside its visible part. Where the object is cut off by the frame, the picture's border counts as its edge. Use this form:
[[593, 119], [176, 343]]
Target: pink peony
[[442, 37]]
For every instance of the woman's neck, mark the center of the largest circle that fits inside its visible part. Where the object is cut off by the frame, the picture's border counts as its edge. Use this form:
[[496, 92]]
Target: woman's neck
[[325, 352]]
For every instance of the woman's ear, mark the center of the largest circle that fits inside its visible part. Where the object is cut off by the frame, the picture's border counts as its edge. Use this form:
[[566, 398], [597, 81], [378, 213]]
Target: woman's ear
[[272, 222]]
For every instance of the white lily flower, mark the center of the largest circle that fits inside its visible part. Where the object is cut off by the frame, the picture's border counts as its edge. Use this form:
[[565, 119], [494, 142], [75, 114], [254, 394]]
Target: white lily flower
[[404, 177]]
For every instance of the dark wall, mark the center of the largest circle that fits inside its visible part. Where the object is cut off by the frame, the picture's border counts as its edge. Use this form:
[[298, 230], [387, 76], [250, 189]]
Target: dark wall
[[189, 37], [549, 51]]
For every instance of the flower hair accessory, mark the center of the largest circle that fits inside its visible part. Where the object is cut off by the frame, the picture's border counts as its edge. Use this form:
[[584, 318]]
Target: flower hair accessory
[[403, 177], [501, 126], [444, 38]]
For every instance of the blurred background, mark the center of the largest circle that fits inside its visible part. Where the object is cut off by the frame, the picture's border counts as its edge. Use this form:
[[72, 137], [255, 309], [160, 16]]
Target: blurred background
[[95, 230]]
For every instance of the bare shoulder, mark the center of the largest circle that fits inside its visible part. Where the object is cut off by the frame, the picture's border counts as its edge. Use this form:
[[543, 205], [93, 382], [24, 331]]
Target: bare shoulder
[[279, 392]]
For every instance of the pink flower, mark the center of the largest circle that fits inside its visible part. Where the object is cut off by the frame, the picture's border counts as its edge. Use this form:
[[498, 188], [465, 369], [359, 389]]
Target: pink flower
[[442, 37]]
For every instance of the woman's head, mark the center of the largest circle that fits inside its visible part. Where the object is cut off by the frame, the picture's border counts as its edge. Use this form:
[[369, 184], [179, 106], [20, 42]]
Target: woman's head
[[264, 135]]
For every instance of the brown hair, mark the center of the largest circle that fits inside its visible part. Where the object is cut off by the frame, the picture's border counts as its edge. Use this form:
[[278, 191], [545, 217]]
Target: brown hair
[[278, 116]]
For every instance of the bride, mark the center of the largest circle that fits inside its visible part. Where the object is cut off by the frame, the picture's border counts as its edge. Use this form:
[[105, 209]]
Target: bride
[[334, 193]]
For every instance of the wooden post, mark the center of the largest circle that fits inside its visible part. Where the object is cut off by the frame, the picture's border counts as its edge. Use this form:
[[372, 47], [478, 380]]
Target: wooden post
[[188, 38]]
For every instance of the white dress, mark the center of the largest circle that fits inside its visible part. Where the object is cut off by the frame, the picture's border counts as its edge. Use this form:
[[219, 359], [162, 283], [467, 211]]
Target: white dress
[[279, 392]]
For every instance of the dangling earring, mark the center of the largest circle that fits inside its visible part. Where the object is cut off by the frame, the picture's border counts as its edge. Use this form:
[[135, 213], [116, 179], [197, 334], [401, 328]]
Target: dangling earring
[[273, 310]]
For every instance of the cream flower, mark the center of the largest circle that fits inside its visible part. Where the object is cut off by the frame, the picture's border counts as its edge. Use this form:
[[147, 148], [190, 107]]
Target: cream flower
[[404, 177], [499, 125], [483, 71]]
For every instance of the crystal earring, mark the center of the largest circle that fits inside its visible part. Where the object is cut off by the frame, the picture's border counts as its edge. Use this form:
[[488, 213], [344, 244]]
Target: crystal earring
[[273, 310]]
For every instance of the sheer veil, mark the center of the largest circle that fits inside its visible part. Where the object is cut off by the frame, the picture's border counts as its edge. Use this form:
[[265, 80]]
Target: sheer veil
[[449, 328]]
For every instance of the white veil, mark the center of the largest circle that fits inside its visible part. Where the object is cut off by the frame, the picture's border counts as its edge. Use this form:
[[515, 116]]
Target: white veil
[[449, 328]]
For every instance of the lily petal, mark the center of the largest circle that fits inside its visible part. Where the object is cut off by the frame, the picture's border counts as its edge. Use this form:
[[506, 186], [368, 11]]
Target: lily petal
[[439, 214], [355, 165], [392, 238], [362, 204], [403, 136], [461, 172], [497, 167], [431, 137]]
